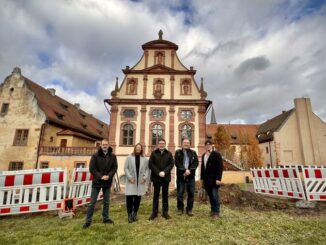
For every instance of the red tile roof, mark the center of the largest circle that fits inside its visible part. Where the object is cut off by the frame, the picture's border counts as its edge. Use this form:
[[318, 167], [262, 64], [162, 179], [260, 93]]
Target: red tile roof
[[65, 114], [234, 131]]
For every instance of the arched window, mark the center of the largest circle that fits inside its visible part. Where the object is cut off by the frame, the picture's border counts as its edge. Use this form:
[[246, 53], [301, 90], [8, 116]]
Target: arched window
[[128, 134], [186, 131], [157, 133]]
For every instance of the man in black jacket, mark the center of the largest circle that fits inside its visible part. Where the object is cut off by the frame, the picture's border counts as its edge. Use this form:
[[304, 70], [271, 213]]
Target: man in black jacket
[[211, 175], [161, 164], [103, 166], [186, 162]]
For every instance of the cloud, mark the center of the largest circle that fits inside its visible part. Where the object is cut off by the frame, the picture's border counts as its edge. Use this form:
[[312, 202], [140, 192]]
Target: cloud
[[252, 64], [255, 56]]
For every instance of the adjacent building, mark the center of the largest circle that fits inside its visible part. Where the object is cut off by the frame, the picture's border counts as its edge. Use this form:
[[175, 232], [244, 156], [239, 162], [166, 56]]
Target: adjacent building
[[295, 137], [39, 129]]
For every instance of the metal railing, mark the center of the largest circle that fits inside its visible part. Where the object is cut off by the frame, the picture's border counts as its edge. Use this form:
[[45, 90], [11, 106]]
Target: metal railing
[[64, 151]]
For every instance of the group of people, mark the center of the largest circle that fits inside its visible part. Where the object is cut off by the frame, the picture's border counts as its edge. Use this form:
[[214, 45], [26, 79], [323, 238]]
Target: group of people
[[103, 166]]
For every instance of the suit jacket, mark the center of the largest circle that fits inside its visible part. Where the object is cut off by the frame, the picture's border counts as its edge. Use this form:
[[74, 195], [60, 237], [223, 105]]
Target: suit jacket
[[130, 172], [193, 163], [101, 165], [213, 170], [161, 162]]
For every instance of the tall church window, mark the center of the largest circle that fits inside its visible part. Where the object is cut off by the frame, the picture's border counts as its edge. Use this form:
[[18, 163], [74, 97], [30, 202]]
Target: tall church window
[[186, 131], [128, 134], [157, 133]]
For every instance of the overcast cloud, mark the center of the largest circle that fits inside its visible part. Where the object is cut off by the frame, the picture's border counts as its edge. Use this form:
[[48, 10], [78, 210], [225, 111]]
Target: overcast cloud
[[255, 56]]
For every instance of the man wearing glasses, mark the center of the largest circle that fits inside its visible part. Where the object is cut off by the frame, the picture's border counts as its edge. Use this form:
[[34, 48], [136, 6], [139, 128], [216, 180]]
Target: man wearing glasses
[[211, 176], [161, 163]]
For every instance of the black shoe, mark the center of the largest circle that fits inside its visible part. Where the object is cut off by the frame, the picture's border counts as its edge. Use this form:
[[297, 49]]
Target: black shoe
[[166, 216], [180, 212], [86, 225], [108, 221], [134, 216], [130, 218], [152, 217], [189, 213]]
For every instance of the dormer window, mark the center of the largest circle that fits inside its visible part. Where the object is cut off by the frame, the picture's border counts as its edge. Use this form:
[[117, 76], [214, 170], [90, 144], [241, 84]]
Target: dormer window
[[82, 115], [83, 125], [65, 107], [59, 115]]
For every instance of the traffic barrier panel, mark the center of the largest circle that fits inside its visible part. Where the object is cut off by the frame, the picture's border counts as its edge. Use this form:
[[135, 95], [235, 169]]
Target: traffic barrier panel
[[35, 190], [81, 186], [284, 182], [315, 182]]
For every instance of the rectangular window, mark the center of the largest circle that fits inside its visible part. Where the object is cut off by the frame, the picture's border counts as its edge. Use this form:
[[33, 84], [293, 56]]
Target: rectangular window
[[267, 151], [44, 165], [80, 165], [4, 108], [15, 166], [21, 137]]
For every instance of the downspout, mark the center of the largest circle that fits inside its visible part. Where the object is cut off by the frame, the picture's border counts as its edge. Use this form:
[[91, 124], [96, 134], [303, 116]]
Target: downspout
[[39, 143], [270, 153]]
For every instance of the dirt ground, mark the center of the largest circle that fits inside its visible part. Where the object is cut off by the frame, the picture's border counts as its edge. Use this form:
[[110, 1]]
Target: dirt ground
[[231, 195], [234, 197]]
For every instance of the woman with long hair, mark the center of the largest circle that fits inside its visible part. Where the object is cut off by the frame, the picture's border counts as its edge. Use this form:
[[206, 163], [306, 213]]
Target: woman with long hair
[[136, 171]]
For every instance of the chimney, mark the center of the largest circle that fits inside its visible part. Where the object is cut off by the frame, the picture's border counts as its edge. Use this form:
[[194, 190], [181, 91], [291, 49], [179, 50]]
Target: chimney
[[16, 72], [52, 91], [307, 132], [77, 105]]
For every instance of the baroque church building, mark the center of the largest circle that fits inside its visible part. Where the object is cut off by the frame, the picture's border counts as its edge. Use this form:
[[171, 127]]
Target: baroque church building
[[158, 98]]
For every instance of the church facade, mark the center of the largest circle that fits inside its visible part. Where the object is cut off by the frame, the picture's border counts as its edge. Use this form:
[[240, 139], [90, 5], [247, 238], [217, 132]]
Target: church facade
[[158, 98]]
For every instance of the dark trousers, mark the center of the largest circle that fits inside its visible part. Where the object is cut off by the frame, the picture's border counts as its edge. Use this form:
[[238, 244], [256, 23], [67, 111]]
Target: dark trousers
[[91, 205], [165, 196], [183, 184], [214, 199], [133, 203]]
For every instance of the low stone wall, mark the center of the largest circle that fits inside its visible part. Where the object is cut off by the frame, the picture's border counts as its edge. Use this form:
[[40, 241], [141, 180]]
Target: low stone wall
[[236, 177]]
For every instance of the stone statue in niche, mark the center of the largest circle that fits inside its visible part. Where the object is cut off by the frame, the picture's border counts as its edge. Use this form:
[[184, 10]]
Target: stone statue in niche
[[159, 58], [132, 87], [185, 88], [158, 89]]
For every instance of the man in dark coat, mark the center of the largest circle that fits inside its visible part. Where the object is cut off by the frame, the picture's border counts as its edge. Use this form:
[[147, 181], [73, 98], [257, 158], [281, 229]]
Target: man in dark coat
[[211, 175], [161, 164], [186, 162], [103, 166]]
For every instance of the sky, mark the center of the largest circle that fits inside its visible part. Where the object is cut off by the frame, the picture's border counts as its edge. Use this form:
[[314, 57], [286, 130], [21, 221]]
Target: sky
[[255, 56]]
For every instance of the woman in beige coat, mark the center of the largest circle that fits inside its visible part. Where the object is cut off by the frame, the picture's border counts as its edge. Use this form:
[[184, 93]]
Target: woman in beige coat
[[136, 171]]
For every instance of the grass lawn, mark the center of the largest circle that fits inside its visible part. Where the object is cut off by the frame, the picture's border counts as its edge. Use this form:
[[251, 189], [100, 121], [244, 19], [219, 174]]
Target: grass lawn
[[235, 227]]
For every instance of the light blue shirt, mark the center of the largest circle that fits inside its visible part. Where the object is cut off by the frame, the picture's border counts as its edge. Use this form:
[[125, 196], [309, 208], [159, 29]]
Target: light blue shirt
[[185, 159]]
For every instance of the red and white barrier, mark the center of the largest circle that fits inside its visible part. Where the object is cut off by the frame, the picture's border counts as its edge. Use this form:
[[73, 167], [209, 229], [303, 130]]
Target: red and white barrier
[[81, 186], [284, 182], [28, 191], [315, 182]]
